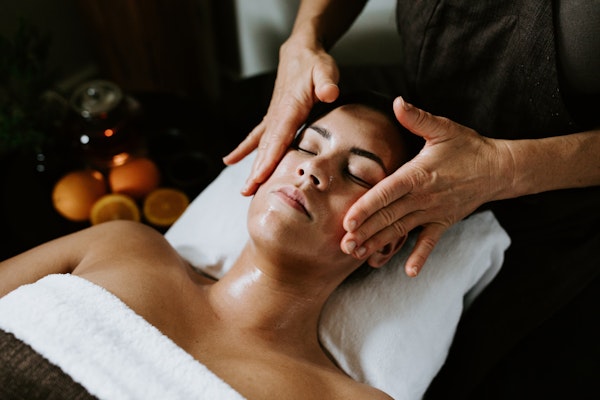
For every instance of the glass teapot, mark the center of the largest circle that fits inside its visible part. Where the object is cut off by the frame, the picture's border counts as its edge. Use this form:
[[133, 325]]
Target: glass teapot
[[104, 124]]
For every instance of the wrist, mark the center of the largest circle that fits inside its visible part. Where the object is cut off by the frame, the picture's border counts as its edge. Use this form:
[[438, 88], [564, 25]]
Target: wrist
[[507, 182], [559, 162], [511, 175], [306, 35]]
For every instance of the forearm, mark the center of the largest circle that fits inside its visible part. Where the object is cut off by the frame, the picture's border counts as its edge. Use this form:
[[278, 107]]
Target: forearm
[[323, 22], [561, 162], [54, 257]]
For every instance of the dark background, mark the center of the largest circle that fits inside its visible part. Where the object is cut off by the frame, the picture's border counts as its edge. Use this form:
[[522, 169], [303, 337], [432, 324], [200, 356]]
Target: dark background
[[180, 60], [177, 59]]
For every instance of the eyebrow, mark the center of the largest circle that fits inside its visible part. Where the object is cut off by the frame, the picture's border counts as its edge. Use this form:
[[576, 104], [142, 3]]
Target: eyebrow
[[326, 134]]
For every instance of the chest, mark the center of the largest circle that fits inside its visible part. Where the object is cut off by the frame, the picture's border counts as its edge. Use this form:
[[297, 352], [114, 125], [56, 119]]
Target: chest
[[262, 374], [257, 368], [178, 306]]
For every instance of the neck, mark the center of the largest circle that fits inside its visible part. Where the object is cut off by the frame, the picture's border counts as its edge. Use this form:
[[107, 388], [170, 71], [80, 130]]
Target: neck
[[278, 302]]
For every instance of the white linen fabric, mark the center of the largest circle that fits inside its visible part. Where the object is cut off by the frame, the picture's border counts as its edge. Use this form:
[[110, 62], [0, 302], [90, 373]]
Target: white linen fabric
[[387, 330], [103, 344]]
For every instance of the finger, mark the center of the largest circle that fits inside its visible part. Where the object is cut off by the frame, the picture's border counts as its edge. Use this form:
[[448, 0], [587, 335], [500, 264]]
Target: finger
[[251, 185], [389, 234], [270, 151], [290, 114], [249, 144], [263, 166], [430, 127], [426, 241], [328, 92], [357, 244], [394, 216], [326, 76], [379, 196]]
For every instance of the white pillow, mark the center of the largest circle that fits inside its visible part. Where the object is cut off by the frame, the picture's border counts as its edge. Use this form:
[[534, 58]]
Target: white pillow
[[387, 330]]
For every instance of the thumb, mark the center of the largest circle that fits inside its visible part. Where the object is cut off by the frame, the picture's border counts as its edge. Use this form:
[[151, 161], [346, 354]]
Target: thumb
[[326, 76], [430, 127]]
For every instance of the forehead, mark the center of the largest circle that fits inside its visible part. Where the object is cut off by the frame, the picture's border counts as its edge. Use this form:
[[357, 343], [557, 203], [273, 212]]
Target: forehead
[[351, 118], [362, 126]]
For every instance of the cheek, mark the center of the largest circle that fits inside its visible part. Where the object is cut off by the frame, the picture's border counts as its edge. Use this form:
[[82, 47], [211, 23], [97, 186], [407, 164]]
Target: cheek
[[286, 166], [338, 207]]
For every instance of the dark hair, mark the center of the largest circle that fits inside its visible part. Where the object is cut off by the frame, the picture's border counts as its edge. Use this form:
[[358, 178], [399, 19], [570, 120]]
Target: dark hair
[[372, 99]]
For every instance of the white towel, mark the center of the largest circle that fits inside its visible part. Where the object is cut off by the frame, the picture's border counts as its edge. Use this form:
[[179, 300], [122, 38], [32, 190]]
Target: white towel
[[103, 344], [394, 332]]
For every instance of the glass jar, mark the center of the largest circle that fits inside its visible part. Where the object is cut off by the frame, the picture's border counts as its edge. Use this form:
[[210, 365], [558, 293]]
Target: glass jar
[[104, 126]]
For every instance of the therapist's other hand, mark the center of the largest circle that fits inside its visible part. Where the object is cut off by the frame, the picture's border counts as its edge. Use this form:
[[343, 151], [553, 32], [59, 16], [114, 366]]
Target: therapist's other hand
[[457, 171], [305, 75]]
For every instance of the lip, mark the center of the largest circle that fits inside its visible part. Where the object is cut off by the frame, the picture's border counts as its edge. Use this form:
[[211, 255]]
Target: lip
[[295, 198]]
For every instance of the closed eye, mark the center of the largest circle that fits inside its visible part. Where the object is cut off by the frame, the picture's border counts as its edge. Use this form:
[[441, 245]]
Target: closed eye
[[300, 149], [296, 146], [358, 180]]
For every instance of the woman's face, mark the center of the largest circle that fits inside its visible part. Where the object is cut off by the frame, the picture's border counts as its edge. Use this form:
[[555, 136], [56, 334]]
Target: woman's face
[[300, 208]]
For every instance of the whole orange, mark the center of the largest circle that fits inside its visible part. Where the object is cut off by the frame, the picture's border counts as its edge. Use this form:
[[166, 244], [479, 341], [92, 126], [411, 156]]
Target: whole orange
[[135, 178], [74, 194]]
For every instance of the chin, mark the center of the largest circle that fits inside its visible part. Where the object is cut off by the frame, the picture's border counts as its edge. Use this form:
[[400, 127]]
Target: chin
[[272, 226]]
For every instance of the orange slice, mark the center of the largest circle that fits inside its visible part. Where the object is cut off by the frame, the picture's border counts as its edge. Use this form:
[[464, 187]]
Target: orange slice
[[114, 206], [163, 206]]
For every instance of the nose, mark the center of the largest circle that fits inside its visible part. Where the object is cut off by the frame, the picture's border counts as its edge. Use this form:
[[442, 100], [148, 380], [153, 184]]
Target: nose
[[315, 173]]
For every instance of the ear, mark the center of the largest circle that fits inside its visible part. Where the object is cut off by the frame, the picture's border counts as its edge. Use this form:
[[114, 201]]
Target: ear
[[384, 254]]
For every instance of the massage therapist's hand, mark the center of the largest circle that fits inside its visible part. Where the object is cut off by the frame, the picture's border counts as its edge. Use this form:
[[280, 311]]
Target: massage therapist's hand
[[305, 75], [456, 171]]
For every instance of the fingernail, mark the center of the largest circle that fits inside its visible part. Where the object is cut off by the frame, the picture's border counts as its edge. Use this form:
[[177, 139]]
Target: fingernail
[[350, 246], [414, 271], [246, 187], [361, 251], [405, 105], [351, 225]]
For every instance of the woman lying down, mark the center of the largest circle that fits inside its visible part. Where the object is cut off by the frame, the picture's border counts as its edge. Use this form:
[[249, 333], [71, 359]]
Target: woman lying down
[[256, 328]]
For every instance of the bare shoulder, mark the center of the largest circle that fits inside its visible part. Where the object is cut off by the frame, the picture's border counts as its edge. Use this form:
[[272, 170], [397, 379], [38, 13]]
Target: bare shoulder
[[378, 394], [125, 232], [265, 377], [364, 391], [124, 241], [335, 384], [349, 389], [85, 248], [128, 246], [139, 266], [130, 258]]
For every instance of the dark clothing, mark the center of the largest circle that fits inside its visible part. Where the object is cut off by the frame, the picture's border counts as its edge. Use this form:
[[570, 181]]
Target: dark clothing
[[26, 374], [493, 66]]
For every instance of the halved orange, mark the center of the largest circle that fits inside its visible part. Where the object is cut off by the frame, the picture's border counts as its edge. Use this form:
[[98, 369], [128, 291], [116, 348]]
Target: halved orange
[[114, 206], [164, 205]]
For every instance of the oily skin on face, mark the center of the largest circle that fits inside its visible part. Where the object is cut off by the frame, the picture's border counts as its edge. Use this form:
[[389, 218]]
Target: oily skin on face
[[332, 163]]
